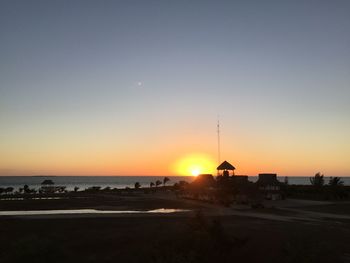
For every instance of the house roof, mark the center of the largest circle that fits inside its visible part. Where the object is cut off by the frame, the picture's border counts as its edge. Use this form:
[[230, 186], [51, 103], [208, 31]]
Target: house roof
[[268, 179], [225, 166], [204, 180], [47, 182]]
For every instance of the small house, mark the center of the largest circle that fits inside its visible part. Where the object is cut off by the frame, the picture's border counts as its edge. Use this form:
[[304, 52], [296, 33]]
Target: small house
[[48, 187], [269, 186]]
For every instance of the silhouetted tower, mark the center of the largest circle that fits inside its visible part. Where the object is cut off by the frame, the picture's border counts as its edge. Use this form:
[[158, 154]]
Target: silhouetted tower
[[226, 167], [218, 131]]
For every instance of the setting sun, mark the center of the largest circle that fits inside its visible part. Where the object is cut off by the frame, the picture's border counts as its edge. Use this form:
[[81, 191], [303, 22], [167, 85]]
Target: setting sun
[[195, 172], [194, 164]]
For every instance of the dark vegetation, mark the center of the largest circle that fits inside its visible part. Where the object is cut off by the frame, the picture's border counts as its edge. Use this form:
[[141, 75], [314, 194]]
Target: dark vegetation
[[6, 190], [49, 187], [171, 239], [319, 189]]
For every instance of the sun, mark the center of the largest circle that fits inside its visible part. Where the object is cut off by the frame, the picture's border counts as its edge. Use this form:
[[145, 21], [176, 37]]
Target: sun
[[195, 172], [194, 164]]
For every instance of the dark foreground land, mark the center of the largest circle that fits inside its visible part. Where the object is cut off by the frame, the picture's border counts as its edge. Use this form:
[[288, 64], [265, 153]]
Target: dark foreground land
[[186, 237]]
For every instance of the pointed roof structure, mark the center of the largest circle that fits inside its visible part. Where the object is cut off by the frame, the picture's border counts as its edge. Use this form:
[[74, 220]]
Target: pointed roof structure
[[47, 182], [226, 166]]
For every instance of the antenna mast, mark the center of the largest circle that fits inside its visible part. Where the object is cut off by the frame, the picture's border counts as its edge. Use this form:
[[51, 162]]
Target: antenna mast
[[218, 131]]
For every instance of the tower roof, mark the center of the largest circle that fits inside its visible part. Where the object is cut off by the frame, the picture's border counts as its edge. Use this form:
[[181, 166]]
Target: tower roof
[[225, 166]]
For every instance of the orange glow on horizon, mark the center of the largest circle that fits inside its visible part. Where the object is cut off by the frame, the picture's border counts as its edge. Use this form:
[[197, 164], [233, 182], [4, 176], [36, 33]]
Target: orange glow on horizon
[[194, 164]]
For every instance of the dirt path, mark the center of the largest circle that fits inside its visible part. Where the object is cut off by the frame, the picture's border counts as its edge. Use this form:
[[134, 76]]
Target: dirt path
[[290, 206], [319, 215]]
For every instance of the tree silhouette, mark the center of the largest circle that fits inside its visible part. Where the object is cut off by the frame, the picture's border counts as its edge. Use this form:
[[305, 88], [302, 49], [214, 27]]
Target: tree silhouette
[[165, 180], [151, 184], [158, 183], [317, 180], [335, 181], [336, 187], [137, 185]]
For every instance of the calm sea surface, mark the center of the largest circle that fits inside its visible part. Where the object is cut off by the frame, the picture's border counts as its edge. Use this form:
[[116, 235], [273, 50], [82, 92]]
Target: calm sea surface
[[84, 182]]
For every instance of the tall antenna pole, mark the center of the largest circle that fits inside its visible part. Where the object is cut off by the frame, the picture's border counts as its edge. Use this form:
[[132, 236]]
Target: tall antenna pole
[[218, 131]]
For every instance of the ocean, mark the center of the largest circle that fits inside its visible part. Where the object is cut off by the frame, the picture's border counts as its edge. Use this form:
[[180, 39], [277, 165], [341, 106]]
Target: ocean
[[120, 182]]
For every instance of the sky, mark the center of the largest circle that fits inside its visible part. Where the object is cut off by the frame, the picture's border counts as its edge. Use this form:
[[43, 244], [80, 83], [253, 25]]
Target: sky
[[136, 87]]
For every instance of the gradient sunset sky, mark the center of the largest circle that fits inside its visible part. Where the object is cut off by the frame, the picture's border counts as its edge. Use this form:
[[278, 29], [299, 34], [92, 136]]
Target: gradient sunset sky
[[134, 87]]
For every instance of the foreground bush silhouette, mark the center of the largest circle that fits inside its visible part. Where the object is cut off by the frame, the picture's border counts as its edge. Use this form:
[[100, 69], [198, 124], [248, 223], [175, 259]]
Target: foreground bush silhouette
[[171, 239], [201, 241]]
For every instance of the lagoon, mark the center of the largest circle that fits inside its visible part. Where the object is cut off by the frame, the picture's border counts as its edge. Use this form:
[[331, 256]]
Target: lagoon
[[89, 211]]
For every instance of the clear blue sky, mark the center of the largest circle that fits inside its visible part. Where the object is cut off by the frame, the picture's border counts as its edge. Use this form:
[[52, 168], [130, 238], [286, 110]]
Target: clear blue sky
[[128, 79]]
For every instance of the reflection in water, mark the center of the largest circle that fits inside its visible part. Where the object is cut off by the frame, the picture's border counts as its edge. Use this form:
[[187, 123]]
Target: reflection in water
[[89, 211], [32, 198]]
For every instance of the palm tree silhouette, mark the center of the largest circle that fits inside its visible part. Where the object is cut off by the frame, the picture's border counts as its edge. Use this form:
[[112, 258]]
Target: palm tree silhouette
[[335, 181], [317, 180], [158, 183], [165, 180]]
